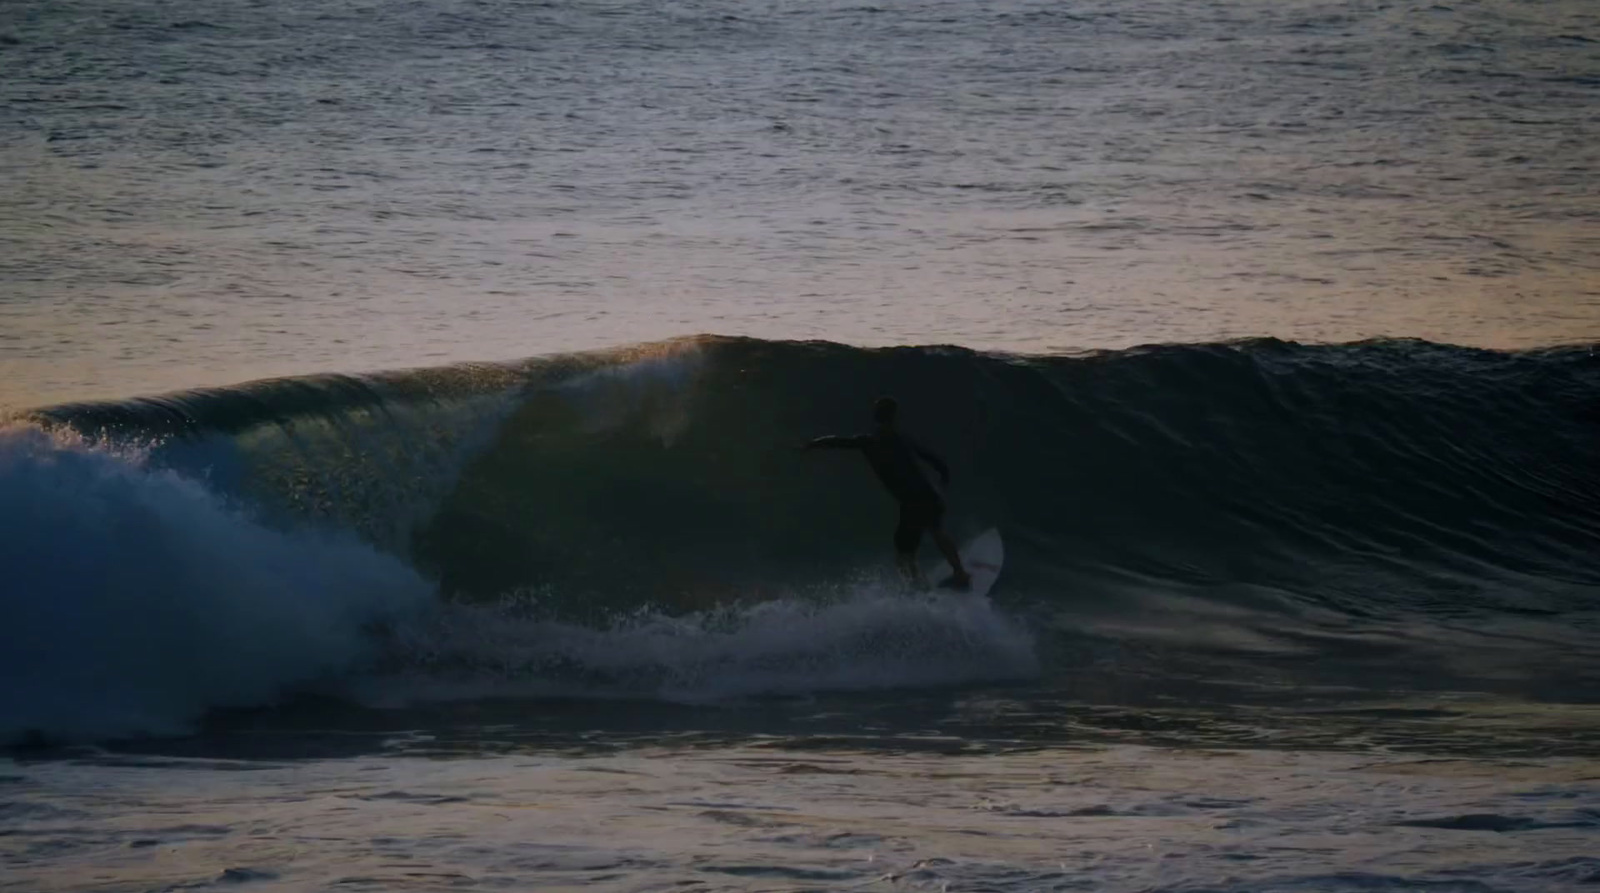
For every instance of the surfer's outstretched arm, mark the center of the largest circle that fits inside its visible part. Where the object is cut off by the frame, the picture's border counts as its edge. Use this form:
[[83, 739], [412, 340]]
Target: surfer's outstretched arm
[[836, 442]]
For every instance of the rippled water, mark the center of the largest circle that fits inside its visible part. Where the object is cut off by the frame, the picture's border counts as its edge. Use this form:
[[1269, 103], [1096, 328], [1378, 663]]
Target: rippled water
[[203, 193], [771, 818]]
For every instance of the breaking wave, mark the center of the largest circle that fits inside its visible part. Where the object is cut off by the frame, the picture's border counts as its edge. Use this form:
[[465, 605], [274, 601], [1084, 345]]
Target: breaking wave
[[1260, 509]]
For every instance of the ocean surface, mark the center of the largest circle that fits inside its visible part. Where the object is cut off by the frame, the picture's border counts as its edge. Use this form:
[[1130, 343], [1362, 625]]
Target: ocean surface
[[400, 406]]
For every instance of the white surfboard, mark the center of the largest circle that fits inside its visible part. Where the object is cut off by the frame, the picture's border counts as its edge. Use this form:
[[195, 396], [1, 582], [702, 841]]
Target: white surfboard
[[982, 556]]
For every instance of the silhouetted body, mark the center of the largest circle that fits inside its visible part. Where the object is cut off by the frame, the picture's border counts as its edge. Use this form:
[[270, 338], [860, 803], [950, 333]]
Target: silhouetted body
[[893, 457]]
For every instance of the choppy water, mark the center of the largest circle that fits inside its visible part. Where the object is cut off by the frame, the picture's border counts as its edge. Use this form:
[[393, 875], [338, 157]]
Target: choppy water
[[1276, 615], [203, 193]]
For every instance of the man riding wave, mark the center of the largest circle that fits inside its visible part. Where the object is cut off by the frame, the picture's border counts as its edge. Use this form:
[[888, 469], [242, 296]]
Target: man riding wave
[[893, 457]]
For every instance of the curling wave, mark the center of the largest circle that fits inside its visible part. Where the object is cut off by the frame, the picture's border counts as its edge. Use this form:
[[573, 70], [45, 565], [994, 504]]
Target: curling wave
[[1395, 504]]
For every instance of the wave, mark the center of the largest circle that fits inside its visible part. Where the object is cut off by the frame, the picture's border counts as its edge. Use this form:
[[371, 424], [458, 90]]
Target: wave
[[1395, 504], [672, 466], [136, 600]]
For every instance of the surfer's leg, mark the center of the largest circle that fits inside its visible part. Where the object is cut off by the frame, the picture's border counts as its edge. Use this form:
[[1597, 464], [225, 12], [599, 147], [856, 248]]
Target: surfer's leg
[[907, 536], [959, 575]]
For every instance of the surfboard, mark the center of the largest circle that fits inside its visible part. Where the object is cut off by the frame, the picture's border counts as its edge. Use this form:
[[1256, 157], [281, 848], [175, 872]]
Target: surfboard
[[982, 556]]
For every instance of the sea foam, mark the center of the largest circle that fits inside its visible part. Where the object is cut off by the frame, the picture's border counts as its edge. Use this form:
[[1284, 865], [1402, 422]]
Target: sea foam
[[134, 599]]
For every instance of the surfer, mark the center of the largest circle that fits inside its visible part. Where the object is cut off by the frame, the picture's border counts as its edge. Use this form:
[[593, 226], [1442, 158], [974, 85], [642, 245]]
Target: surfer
[[893, 457]]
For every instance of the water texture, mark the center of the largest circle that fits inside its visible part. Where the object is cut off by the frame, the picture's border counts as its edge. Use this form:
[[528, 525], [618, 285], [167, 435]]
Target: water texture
[[277, 189]]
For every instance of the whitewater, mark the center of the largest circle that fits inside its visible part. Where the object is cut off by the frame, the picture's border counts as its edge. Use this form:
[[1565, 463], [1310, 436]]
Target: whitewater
[[400, 411]]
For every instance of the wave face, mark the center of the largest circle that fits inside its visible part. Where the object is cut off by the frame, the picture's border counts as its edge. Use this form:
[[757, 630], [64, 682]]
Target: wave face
[[1258, 510]]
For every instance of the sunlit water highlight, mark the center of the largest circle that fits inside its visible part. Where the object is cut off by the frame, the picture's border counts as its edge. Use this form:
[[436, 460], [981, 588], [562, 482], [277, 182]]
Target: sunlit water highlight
[[770, 818], [199, 194]]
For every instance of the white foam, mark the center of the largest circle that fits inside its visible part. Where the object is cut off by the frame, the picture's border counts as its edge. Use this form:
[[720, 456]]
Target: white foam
[[872, 638], [131, 599]]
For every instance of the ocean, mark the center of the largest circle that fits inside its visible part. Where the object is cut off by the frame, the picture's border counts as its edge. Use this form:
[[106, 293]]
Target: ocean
[[401, 402]]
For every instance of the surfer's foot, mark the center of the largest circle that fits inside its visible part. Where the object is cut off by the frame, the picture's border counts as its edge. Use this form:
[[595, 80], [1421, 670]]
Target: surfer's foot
[[961, 580]]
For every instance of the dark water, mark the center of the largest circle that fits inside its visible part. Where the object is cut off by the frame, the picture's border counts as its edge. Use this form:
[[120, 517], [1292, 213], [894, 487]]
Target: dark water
[[1256, 521]]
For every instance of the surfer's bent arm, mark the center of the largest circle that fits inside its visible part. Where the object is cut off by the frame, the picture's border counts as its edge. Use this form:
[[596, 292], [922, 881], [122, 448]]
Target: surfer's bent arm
[[933, 459], [837, 442]]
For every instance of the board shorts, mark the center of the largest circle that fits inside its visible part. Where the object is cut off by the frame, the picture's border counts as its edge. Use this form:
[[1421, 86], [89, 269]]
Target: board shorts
[[915, 517]]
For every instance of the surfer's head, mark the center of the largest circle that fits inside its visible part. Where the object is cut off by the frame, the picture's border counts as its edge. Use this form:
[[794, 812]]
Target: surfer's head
[[884, 410]]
